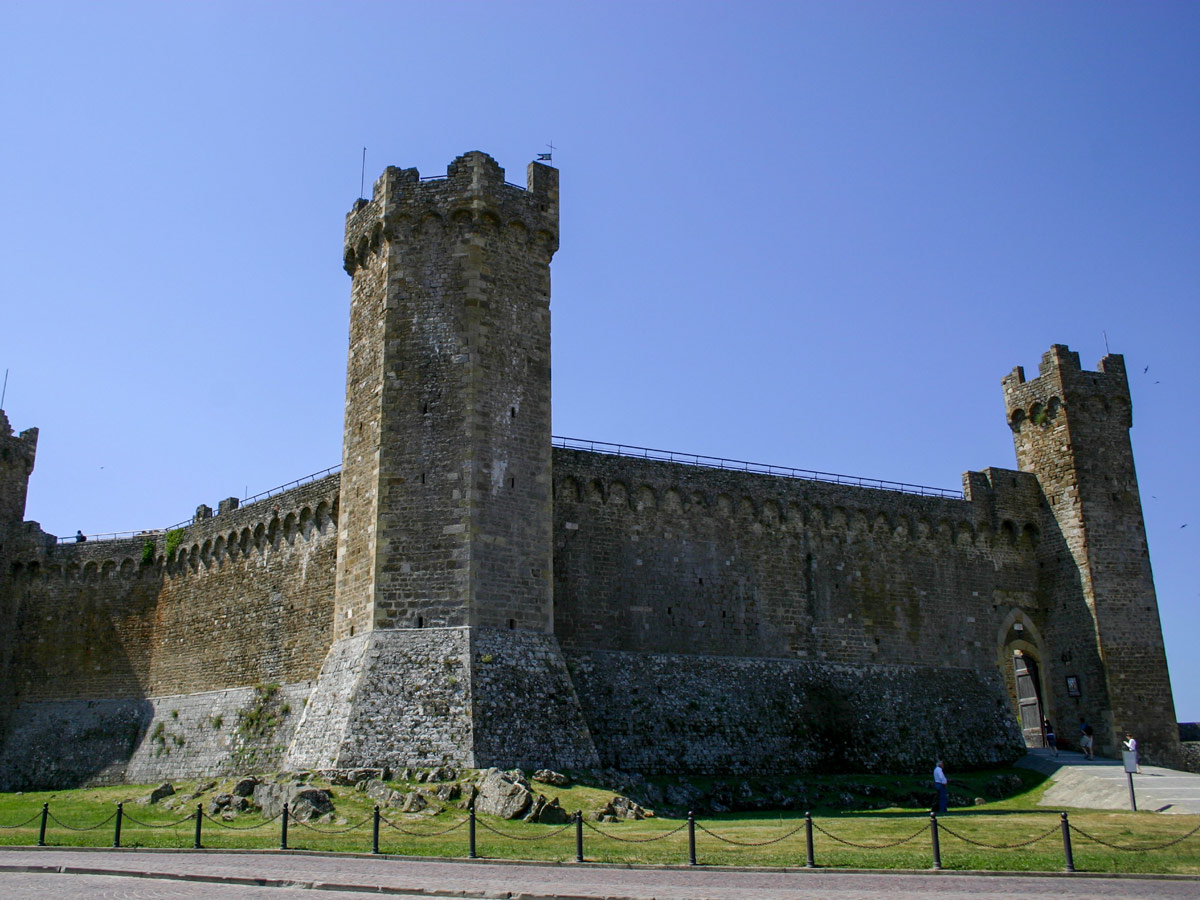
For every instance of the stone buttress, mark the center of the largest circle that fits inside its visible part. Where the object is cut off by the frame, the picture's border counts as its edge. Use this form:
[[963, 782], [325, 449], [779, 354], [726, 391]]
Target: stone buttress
[[443, 646]]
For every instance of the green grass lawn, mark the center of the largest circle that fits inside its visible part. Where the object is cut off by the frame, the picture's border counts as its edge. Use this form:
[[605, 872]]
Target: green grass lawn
[[742, 839]]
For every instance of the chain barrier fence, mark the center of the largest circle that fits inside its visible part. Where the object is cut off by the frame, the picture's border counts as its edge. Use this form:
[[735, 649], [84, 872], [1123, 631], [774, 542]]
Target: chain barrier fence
[[457, 825], [1016, 846], [1111, 846], [767, 843], [934, 827], [627, 840], [885, 846]]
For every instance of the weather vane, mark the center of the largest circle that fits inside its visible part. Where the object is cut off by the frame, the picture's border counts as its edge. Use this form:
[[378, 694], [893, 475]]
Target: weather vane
[[547, 157]]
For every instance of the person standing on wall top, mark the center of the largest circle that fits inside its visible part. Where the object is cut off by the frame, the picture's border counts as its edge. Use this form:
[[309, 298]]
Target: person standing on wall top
[[1051, 740], [1087, 740], [940, 781], [80, 537]]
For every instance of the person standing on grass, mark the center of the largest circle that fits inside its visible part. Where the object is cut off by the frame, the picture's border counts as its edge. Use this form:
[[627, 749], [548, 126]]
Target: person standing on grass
[[940, 781]]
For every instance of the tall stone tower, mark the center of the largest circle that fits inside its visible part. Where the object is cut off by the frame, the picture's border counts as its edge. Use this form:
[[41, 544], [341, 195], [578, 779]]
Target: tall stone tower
[[444, 616], [17, 454], [1071, 429]]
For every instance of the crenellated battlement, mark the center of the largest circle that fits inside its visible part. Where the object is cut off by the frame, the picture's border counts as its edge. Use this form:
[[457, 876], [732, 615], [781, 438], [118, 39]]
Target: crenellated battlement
[[472, 198], [300, 516], [753, 501], [1062, 384], [17, 455]]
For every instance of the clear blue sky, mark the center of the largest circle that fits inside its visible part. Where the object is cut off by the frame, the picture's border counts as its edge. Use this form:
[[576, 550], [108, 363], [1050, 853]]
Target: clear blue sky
[[813, 234]]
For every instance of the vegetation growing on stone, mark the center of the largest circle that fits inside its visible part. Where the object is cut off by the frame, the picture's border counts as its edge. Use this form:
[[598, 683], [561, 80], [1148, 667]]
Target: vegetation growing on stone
[[174, 538]]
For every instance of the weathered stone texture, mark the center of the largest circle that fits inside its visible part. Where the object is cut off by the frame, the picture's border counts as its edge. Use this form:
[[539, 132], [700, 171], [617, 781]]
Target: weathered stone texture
[[680, 712], [400, 697], [526, 712], [245, 599], [59, 743], [665, 557]]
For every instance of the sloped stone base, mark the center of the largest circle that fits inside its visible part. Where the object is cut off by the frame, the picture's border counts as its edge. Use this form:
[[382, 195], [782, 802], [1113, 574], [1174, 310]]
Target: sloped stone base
[[676, 713], [527, 714], [469, 697], [78, 743], [389, 698]]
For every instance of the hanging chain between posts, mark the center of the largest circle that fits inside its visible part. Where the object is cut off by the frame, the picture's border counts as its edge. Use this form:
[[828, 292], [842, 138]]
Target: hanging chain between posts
[[964, 838], [63, 824], [393, 825], [128, 818], [221, 824], [304, 824], [912, 837], [1111, 846], [514, 837], [750, 843], [32, 818], [630, 840]]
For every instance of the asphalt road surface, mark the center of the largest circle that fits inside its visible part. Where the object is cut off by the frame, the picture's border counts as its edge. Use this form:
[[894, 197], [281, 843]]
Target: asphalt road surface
[[26, 874]]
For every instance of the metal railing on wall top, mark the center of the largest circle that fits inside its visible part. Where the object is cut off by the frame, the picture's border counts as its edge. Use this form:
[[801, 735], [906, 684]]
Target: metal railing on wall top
[[610, 449]]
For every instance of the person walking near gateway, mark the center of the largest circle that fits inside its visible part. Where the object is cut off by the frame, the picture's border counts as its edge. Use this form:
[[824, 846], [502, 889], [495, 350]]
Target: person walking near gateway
[[1086, 738], [1051, 740], [940, 781]]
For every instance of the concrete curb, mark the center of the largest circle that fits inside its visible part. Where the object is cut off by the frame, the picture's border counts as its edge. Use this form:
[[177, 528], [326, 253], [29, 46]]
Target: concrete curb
[[300, 883]]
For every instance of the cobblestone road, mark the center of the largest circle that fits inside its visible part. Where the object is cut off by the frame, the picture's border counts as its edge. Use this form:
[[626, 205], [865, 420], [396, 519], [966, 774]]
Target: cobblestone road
[[292, 877]]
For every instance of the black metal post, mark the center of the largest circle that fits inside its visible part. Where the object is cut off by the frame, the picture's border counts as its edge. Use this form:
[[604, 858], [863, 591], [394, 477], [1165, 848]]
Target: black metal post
[[375, 831], [937, 844], [810, 862], [117, 829], [196, 845], [1132, 798], [1066, 831], [283, 829], [579, 836], [691, 838], [42, 830], [471, 832]]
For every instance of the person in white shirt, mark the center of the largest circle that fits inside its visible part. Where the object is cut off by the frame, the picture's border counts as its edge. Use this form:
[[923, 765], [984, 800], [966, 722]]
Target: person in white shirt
[[1131, 745], [940, 781]]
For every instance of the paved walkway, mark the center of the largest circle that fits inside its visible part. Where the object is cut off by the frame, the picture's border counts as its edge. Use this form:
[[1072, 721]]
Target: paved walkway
[[1102, 784], [26, 874]]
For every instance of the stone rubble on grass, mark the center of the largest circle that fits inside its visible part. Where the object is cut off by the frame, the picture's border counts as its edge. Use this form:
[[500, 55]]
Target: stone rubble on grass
[[548, 776], [201, 790], [619, 808], [547, 812], [245, 786], [161, 793], [381, 793], [304, 802], [502, 796]]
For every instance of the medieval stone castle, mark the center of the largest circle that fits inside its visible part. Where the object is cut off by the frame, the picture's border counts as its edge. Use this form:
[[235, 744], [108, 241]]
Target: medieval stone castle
[[466, 592]]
